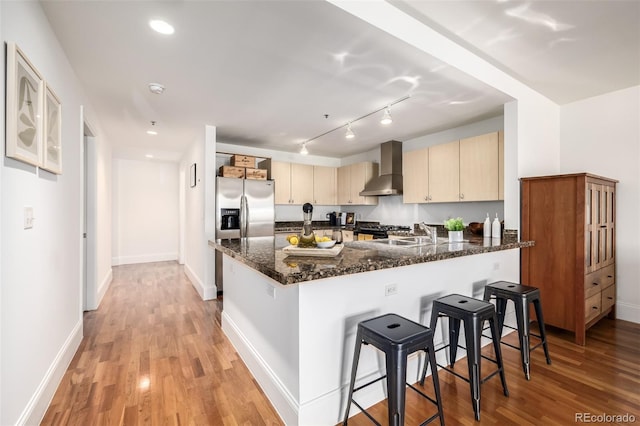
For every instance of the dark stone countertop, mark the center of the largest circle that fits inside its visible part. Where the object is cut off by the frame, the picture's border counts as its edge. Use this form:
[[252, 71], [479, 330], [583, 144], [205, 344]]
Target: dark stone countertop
[[265, 255]]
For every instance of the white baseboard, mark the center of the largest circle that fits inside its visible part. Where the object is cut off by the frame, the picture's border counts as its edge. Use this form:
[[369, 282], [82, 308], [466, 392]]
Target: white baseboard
[[283, 402], [104, 286], [143, 258], [627, 312], [206, 293], [40, 400]]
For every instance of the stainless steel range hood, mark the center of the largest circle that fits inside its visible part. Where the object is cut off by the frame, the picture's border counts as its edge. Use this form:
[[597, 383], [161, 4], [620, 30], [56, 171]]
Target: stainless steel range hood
[[390, 180]]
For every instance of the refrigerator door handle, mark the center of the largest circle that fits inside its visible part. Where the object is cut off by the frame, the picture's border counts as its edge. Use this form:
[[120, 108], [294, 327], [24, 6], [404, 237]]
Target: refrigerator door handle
[[244, 215]]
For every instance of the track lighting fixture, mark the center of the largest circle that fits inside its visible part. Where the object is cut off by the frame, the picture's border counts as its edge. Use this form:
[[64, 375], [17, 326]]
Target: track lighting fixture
[[386, 117], [349, 134]]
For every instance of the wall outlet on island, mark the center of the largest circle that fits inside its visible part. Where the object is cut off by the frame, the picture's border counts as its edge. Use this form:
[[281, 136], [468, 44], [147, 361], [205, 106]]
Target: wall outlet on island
[[390, 289]]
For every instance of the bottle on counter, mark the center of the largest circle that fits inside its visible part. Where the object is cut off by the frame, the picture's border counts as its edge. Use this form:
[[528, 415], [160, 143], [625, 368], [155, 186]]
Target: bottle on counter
[[486, 232], [496, 228], [307, 237]]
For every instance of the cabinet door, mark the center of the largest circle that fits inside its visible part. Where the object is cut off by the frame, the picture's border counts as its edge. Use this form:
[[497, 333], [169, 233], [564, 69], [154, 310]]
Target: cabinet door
[[599, 226], [344, 185], [415, 176], [301, 183], [444, 172], [479, 175], [324, 185], [361, 174], [281, 174]]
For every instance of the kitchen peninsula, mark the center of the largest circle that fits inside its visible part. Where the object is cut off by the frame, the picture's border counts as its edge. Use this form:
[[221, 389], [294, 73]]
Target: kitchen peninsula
[[293, 319]]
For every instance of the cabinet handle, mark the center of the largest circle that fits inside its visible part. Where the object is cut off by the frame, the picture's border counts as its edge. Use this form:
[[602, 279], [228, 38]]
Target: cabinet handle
[[426, 198], [609, 297], [603, 226], [596, 283], [462, 196], [609, 276], [594, 308]]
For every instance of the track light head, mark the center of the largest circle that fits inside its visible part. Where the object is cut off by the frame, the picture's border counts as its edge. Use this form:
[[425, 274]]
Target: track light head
[[386, 117], [349, 134]]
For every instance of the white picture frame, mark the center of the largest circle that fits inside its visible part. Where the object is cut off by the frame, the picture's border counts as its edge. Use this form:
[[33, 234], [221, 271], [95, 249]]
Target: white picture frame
[[52, 132], [24, 108]]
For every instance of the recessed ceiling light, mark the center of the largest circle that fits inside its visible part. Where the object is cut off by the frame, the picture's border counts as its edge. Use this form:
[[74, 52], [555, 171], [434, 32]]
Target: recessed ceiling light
[[152, 132], [156, 88], [161, 26], [149, 156]]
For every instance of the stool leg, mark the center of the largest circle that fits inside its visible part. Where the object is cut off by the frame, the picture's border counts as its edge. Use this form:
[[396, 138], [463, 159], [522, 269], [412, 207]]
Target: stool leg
[[496, 348], [431, 357], [454, 334], [396, 385], [538, 307], [354, 367], [472, 332], [501, 309], [522, 318]]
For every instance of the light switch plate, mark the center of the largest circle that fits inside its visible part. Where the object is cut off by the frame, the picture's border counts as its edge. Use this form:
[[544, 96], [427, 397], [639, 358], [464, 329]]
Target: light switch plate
[[28, 217]]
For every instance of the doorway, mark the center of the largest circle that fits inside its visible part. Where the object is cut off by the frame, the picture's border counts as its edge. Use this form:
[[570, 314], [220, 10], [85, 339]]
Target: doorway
[[89, 286]]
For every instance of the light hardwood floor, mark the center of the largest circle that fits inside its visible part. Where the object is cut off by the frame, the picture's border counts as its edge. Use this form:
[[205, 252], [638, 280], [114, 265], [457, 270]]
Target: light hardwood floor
[[154, 353]]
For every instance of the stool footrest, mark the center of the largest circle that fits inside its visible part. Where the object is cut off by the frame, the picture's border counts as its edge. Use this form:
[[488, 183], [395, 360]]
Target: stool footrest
[[366, 413], [370, 383], [466, 379]]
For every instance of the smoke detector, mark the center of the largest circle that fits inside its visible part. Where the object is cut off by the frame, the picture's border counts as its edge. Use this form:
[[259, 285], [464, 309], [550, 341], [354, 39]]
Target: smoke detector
[[156, 88]]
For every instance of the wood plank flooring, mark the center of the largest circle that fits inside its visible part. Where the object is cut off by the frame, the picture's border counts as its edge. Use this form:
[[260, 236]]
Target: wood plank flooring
[[154, 353]]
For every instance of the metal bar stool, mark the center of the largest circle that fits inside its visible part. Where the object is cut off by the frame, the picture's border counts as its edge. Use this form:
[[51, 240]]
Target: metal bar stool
[[521, 295], [397, 337], [473, 313]]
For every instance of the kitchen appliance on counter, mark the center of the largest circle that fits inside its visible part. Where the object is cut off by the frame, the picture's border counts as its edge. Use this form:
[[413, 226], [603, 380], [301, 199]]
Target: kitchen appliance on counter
[[334, 218], [374, 232], [244, 208]]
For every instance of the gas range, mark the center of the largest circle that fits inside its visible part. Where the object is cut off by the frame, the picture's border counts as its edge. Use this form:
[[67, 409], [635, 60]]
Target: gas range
[[367, 232]]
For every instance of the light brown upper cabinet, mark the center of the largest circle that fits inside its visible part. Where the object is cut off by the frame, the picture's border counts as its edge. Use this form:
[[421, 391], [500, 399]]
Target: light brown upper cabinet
[[479, 174], [352, 179], [415, 176], [325, 185], [444, 172], [294, 182], [471, 169]]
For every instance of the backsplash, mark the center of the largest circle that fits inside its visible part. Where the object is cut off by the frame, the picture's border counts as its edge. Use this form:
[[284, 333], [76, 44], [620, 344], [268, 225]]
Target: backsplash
[[392, 211]]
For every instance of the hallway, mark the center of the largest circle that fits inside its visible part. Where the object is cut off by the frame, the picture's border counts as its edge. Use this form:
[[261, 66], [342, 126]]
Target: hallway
[[154, 353]]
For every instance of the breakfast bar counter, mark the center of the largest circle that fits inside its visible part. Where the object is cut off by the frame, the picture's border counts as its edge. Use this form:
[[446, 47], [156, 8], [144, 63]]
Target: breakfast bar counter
[[265, 255], [293, 319]]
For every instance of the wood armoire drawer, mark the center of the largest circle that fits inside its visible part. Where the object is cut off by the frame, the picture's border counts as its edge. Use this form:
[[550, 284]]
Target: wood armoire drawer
[[598, 280], [608, 297], [592, 307]]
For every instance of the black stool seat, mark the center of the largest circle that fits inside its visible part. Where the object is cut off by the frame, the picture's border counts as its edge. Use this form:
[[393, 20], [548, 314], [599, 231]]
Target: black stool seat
[[472, 312], [521, 295], [397, 337]]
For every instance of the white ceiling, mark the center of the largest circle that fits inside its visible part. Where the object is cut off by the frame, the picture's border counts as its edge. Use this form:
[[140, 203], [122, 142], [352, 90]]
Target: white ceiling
[[265, 73]]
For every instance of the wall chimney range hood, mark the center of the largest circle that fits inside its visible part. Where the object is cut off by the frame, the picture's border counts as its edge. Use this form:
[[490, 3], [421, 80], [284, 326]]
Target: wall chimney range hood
[[390, 180]]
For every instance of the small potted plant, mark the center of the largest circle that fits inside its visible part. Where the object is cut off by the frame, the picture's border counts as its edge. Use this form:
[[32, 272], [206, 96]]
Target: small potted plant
[[455, 227]]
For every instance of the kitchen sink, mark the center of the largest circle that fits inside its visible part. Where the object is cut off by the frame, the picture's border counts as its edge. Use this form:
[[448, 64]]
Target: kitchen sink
[[404, 242]]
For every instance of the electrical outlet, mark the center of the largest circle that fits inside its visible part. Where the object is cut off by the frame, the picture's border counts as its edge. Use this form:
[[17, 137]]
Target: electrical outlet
[[390, 289], [271, 291]]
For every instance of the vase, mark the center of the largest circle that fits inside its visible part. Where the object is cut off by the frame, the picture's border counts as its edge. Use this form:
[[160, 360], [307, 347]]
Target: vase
[[455, 236]]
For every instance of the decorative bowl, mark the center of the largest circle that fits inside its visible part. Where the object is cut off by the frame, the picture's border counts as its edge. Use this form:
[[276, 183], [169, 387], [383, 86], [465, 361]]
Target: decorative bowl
[[326, 244], [476, 228]]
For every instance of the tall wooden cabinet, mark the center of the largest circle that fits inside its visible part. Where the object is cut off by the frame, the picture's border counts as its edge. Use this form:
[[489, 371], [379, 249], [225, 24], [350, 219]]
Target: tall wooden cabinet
[[571, 218]]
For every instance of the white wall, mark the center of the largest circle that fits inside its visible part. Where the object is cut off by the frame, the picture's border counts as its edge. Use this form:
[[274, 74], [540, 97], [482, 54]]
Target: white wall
[[145, 211], [41, 316], [199, 220], [601, 135]]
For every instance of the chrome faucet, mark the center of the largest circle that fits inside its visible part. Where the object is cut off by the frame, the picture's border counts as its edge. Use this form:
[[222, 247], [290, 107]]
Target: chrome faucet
[[430, 231]]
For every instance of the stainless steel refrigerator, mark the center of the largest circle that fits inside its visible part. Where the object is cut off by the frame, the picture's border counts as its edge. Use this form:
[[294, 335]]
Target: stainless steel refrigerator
[[244, 208]]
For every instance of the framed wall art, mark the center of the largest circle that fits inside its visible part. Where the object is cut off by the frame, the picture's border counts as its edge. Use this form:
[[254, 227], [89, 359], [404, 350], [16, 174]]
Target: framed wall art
[[24, 108], [52, 132]]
